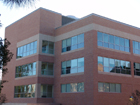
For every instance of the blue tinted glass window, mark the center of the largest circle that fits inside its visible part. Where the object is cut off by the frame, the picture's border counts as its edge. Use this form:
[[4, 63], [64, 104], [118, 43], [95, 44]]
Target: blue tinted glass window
[[113, 65], [100, 36], [126, 43], [111, 39], [113, 42], [72, 66], [105, 37], [26, 70], [136, 47], [73, 43], [121, 41], [27, 49], [117, 41]]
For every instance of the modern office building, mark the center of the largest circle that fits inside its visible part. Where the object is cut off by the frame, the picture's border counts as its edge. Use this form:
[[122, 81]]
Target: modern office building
[[63, 61]]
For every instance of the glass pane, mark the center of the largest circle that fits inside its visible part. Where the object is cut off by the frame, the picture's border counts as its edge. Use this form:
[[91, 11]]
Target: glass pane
[[69, 42], [100, 60], [111, 39], [117, 63], [112, 87], [123, 64], [68, 88], [106, 87], [100, 36], [45, 46], [24, 48], [106, 69], [80, 87], [68, 63], [127, 64], [118, 88], [127, 43], [28, 47], [105, 37], [63, 43], [100, 87], [32, 46], [33, 87], [100, 43], [136, 45], [35, 44], [74, 63], [74, 40], [137, 66], [73, 87], [117, 40], [63, 65], [51, 45], [63, 88], [133, 44], [121, 41], [81, 38], [106, 62], [80, 62], [111, 62]]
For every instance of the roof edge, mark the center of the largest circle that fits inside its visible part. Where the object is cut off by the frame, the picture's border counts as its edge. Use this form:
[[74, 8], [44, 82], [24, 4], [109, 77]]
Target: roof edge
[[93, 14], [33, 12]]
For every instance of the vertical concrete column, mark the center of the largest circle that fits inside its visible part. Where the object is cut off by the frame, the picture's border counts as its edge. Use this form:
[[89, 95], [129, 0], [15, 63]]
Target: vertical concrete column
[[38, 92], [38, 45], [39, 68]]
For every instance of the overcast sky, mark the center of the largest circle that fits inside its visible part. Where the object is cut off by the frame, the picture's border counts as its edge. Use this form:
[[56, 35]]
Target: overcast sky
[[126, 11]]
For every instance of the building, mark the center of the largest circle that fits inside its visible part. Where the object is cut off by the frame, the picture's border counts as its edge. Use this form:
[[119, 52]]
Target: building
[[62, 61]]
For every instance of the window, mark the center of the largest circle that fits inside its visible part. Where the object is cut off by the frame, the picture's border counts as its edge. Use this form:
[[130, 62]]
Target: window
[[27, 49], [109, 87], [73, 43], [136, 47], [25, 91], [47, 47], [137, 69], [72, 87], [47, 68], [26, 70], [73, 66], [113, 42], [113, 65], [46, 91]]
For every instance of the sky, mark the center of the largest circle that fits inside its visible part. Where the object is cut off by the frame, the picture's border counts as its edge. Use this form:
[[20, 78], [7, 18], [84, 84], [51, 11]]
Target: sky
[[126, 11]]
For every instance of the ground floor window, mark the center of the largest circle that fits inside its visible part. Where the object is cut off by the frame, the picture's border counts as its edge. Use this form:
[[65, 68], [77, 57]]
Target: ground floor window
[[25, 91], [46, 91], [109, 87]]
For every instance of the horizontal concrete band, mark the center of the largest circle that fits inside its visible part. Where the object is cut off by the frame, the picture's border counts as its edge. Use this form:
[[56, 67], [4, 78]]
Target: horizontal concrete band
[[14, 104], [78, 31]]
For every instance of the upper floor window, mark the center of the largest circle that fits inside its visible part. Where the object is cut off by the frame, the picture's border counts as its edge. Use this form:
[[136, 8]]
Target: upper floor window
[[136, 47], [72, 87], [137, 69], [73, 43], [47, 68], [113, 42], [27, 49], [26, 70], [73, 66], [113, 65], [46, 91], [109, 87], [25, 91], [47, 47]]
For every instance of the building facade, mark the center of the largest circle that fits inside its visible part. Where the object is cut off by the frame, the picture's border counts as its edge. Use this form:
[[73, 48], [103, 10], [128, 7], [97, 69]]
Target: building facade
[[62, 61]]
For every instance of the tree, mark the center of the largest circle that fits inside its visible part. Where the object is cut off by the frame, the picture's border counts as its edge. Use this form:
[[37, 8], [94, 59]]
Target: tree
[[134, 99], [18, 3], [5, 57]]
